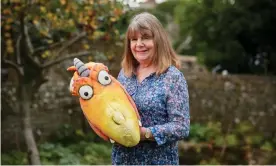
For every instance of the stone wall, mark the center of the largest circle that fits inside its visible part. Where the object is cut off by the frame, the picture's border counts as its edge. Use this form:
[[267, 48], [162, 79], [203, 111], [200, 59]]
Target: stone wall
[[233, 98]]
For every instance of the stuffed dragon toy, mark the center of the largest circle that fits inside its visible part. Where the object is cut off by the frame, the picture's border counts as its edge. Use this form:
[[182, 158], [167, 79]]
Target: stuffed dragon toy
[[108, 108]]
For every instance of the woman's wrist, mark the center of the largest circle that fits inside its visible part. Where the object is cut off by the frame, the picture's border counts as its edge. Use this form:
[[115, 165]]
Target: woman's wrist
[[146, 134]]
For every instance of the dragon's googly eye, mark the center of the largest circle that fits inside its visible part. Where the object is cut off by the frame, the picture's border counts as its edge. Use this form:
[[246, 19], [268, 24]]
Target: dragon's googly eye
[[86, 92], [104, 78], [71, 85]]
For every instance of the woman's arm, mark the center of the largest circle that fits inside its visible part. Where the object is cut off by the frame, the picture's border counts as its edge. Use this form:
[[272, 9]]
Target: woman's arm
[[178, 112]]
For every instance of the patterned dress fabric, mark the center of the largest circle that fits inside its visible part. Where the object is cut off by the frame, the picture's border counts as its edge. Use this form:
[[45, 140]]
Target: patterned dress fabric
[[163, 104]]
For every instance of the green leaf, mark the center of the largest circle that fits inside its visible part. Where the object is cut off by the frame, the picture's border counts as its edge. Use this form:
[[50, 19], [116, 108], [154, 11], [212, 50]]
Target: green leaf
[[80, 132], [219, 140], [47, 146], [214, 161], [44, 154], [232, 140], [198, 149], [267, 146], [244, 127], [257, 138]]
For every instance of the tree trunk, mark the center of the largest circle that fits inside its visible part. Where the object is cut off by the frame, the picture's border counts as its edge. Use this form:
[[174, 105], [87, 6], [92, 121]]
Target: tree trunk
[[33, 154]]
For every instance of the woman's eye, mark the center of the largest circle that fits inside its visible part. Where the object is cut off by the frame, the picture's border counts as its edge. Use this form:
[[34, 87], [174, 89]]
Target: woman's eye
[[147, 37], [133, 39], [104, 78], [86, 92]]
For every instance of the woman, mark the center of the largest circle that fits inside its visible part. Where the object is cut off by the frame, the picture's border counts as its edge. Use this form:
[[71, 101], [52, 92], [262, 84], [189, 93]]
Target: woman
[[150, 76]]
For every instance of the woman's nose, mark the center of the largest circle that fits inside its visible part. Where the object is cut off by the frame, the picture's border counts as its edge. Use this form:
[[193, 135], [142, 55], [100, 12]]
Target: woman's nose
[[139, 42]]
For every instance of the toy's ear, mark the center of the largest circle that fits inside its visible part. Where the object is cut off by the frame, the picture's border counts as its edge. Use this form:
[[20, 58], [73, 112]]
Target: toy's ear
[[94, 66], [101, 66], [90, 65], [72, 82], [71, 68], [105, 67]]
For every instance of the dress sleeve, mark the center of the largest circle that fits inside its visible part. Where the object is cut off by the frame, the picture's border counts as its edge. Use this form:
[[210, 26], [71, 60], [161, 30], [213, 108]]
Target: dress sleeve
[[177, 106]]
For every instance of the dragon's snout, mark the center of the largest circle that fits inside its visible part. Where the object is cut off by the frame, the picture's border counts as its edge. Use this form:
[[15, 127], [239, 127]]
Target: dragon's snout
[[118, 118], [123, 126], [128, 135]]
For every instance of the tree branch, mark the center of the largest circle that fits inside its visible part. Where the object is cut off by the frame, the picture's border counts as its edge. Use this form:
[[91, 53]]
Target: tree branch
[[28, 40], [52, 46], [43, 48], [69, 43], [18, 58], [185, 44], [225, 141], [58, 60], [14, 66]]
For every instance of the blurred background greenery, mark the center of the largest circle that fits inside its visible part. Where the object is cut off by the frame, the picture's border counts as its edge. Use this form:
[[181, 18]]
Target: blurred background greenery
[[227, 49]]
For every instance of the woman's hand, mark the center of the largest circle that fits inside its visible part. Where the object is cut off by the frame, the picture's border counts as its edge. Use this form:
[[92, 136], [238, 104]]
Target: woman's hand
[[143, 132]]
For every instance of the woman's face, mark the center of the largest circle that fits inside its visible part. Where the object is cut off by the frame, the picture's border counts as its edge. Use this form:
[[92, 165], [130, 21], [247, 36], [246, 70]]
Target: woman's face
[[142, 46]]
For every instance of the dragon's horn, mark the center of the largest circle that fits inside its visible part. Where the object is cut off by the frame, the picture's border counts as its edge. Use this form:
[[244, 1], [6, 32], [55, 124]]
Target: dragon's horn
[[82, 69]]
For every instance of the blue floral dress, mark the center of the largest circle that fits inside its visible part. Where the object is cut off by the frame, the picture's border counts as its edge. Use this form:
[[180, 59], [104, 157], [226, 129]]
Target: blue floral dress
[[163, 104]]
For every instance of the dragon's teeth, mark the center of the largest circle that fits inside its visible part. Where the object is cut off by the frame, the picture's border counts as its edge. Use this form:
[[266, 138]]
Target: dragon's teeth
[[139, 122], [112, 141]]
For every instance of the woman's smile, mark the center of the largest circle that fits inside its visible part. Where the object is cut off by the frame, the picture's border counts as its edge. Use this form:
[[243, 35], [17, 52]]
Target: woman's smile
[[142, 52]]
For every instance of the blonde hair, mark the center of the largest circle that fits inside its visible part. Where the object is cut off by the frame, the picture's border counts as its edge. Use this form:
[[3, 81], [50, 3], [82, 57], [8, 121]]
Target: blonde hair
[[164, 56]]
